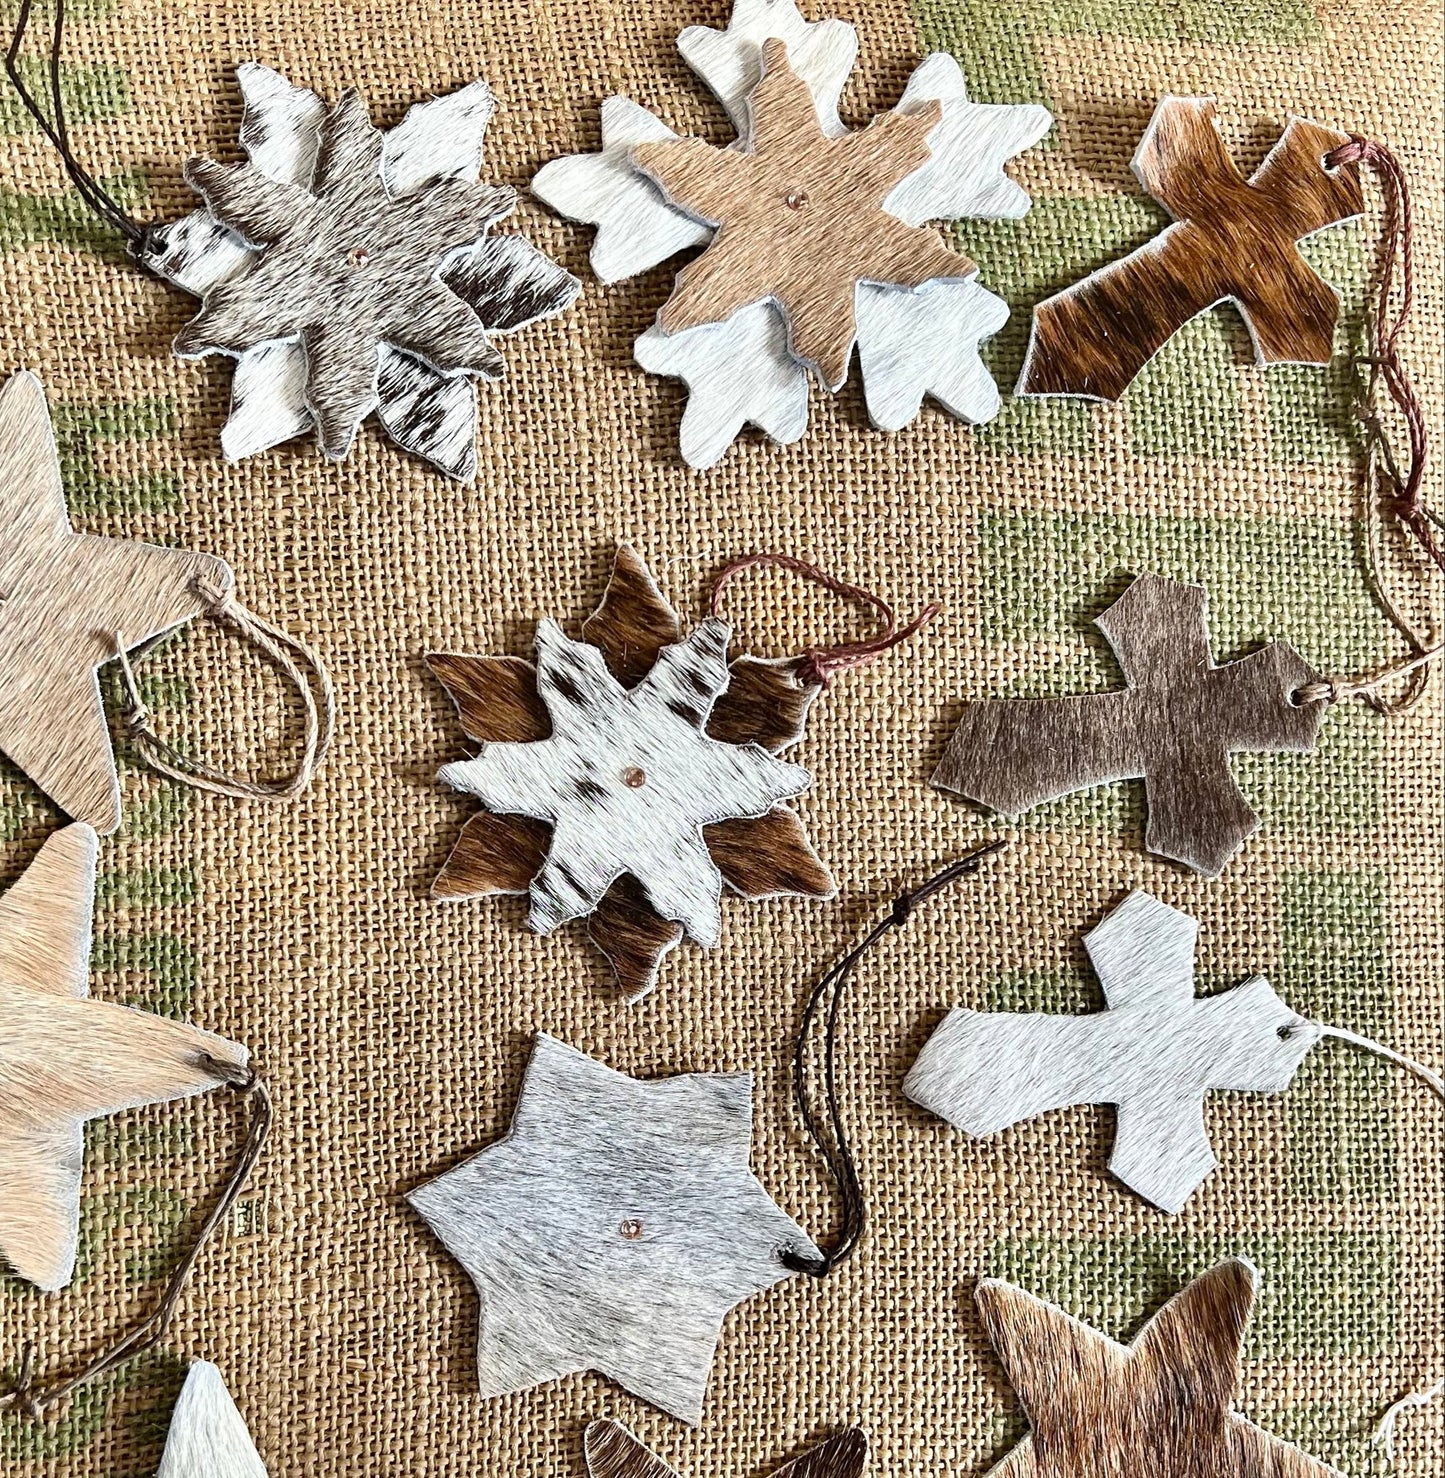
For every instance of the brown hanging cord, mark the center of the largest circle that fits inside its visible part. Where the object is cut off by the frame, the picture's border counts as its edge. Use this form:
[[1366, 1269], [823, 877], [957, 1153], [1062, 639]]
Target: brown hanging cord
[[831, 1138], [818, 664], [1392, 488], [37, 1401], [291, 657], [143, 242]]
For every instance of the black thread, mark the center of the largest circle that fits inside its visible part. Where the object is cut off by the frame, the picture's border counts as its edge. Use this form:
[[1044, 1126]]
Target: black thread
[[142, 241], [833, 1145]]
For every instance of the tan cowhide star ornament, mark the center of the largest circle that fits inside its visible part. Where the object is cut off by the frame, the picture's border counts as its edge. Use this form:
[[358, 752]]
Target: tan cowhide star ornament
[[629, 777], [1175, 726], [1162, 1407], [67, 603], [613, 1452], [66, 1059], [799, 217]]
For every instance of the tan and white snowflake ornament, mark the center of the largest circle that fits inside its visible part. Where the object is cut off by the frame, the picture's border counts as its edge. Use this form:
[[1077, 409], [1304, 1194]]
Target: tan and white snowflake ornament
[[816, 236]]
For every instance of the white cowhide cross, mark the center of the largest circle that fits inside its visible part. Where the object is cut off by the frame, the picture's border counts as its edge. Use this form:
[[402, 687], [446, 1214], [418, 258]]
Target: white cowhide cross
[[1154, 1054]]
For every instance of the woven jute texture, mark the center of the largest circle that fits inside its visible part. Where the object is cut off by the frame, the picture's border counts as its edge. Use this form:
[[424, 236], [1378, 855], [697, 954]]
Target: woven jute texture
[[395, 1030]]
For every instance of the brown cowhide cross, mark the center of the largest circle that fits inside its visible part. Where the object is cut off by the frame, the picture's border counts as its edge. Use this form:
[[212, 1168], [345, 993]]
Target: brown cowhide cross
[[1174, 726], [1231, 238]]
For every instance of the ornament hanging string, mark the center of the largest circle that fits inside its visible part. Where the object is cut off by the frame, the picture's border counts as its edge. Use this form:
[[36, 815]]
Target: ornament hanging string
[[297, 662], [38, 1400], [1385, 1430], [142, 241], [818, 665], [1393, 487], [826, 1126]]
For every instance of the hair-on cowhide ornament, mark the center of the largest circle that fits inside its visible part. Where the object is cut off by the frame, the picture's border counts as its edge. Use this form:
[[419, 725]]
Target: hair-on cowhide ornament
[[66, 1059], [613, 1452], [629, 776], [68, 602], [1155, 1053], [815, 236], [614, 1228], [1231, 239], [349, 270], [1161, 1407], [208, 1436], [1174, 726]]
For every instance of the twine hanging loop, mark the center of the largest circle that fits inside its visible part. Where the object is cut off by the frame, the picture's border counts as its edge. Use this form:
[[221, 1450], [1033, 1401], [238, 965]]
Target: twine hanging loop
[[818, 665], [827, 1128], [296, 662], [1396, 486], [37, 1401]]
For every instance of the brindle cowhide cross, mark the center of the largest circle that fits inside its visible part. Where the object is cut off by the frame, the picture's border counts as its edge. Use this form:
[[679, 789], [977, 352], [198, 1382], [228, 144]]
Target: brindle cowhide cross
[[1174, 726], [1231, 238]]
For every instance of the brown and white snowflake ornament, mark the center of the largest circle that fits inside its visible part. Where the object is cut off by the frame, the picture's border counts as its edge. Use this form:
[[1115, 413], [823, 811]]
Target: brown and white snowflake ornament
[[350, 270], [630, 776]]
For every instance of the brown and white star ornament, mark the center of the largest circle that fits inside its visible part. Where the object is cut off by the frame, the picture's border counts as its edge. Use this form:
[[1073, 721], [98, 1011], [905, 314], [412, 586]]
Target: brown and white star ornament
[[630, 777], [1163, 1405], [817, 237], [349, 270]]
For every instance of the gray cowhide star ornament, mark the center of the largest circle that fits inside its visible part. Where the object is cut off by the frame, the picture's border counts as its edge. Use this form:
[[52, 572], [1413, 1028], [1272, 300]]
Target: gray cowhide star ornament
[[348, 270], [614, 1228], [781, 240], [631, 776], [1155, 1053]]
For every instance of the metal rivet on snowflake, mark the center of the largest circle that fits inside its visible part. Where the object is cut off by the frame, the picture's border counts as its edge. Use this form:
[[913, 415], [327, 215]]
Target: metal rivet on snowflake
[[348, 270], [627, 777], [814, 234]]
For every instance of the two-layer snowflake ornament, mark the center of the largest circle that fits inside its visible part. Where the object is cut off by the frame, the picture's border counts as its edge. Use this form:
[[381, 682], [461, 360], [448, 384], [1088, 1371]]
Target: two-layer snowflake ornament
[[630, 777], [349, 270], [816, 237]]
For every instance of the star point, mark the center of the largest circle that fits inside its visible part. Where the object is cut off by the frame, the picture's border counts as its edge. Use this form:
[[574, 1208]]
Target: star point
[[66, 1059], [1163, 1405]]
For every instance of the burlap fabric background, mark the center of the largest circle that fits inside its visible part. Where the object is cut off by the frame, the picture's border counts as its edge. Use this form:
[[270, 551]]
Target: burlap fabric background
[[395, 1030]]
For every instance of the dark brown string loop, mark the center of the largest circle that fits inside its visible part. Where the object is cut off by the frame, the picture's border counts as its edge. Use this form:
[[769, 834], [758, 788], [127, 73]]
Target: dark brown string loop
[[1399, 485], [827, 1129], [37, 1401], [142, 241], [817, 665], [296, 661]]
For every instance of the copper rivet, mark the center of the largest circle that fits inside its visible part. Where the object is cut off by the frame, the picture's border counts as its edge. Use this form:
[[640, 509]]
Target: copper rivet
[[633, 778], [631, 1229], [358, 256], [796, 199]]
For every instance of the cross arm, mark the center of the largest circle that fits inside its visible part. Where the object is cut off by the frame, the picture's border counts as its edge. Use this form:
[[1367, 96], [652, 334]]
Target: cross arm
[[1011, 754]]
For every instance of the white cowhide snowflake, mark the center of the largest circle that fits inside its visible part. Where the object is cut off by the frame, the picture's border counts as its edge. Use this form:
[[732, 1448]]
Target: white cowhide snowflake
[[348, 270], [912, 341], [628, 779]]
